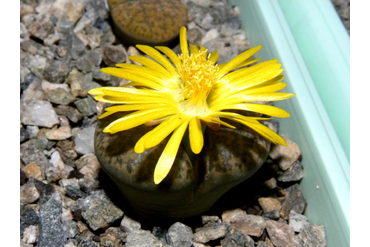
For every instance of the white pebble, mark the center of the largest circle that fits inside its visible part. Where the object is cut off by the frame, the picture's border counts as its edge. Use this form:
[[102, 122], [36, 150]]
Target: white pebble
[[40, 113], [84, 141], [30, 234]]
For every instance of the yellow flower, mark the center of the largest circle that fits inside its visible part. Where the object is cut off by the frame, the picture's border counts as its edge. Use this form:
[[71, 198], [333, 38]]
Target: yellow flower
[[191, 91]]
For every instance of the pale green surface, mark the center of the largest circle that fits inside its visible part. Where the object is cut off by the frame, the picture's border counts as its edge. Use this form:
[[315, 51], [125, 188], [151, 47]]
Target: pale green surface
[[326, 180], [324, 45]]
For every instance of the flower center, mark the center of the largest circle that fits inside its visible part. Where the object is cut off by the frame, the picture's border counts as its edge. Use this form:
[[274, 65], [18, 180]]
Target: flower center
[[198, 77]]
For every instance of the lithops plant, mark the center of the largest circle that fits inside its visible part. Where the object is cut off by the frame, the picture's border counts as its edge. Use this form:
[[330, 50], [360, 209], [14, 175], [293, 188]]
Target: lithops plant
[[150, 22], [180, 135]]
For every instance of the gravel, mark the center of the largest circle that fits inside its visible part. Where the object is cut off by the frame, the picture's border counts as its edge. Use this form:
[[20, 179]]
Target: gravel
[[343, 9], [67, 200]]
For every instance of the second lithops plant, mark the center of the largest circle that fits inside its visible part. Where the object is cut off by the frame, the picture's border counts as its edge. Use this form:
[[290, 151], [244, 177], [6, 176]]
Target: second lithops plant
[[150, 22]]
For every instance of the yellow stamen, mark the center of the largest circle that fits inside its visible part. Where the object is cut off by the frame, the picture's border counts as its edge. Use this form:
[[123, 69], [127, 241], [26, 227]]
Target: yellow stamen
[[198, 76]]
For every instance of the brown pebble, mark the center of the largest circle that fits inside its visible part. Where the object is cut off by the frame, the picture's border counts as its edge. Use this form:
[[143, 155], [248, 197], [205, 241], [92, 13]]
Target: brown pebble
[[294, 200], [285, 156], [281, 234], [32, 170], [269, 204]]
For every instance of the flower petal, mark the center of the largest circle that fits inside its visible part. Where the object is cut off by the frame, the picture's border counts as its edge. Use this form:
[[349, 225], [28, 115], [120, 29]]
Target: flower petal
[[171, 55], [193, 49], [138, 118], [150, 63], [263, 130], [273, 87], [196, 135], [132, 99], [243, 64], [232, 115], [124, 95], [123, 91], [184, 43], [248, 62], [132, 107], [253, 124], [143, 71], [139, 146], [168, 156], [240, 98], [269, 110], [159, 57], [163, 130], [210, 119], [141, 78], [258, 73], [236, 61], [245, 78], [213, 57]]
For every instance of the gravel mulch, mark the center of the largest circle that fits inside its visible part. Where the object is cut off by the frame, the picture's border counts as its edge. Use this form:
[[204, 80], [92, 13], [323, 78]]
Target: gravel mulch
[[67, 200]]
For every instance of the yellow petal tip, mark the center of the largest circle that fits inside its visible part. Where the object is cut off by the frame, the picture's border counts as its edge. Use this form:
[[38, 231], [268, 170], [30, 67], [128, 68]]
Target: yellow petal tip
[[95, 91], [283, 143], [160, 173], [139, 149], [104, 70], [158, 178]]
